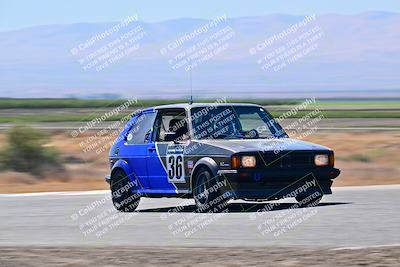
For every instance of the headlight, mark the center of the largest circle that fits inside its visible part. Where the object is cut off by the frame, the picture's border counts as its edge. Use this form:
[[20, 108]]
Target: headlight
[[321, 160], [248, 161]]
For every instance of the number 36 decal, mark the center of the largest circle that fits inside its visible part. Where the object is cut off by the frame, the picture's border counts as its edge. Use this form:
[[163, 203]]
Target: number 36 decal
[[175, 169]]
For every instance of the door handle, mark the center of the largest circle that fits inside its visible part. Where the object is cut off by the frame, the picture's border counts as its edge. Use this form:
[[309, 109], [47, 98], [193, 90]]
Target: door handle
[[152, 148]]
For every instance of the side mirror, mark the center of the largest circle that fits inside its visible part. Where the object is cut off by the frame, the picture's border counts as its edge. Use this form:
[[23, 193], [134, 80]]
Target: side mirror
[[170, 136], [147, 137], [128, 137]]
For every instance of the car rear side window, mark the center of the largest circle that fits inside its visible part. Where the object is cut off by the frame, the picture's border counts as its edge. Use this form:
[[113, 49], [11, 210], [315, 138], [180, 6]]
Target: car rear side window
[[139, 133], [171, 121]]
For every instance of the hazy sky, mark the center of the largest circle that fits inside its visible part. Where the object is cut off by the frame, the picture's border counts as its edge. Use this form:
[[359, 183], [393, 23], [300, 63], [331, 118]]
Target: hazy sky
[[15, 14]]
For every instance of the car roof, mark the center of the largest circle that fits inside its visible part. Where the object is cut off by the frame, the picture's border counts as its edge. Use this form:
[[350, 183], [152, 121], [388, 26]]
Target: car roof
[[200, 105]]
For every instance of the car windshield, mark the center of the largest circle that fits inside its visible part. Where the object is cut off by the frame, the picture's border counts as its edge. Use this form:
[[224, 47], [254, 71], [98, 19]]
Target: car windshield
[[234, 122]]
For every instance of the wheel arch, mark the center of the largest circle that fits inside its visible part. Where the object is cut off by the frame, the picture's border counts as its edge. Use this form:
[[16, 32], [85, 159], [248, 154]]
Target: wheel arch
[[124, 166], [204, 162]]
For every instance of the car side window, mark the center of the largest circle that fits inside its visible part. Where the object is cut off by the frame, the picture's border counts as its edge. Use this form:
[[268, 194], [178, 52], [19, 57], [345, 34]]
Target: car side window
[[171, 121], [139, 133]]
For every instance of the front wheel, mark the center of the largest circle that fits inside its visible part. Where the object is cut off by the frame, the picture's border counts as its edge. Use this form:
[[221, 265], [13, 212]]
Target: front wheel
[[121, 192], [207, 192]]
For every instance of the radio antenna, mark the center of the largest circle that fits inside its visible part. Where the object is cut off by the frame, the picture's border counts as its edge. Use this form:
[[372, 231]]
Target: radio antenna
[[190, 80]]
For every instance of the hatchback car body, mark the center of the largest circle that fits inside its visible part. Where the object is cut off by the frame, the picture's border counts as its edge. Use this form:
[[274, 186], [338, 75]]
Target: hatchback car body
[[214, 153]]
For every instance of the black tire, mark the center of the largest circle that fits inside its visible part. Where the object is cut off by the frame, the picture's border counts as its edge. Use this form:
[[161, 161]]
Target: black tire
[[122, 197], [309, 200], [207, 199]]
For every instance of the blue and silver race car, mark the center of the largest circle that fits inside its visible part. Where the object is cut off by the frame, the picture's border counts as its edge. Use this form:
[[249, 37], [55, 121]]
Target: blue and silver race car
[[214, 153]]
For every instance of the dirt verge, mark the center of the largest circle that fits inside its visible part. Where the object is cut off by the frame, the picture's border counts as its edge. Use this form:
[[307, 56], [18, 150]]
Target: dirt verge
[[134, 256]]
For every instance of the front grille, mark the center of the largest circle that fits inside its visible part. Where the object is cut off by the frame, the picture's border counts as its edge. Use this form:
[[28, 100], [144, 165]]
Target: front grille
[[289, 159]]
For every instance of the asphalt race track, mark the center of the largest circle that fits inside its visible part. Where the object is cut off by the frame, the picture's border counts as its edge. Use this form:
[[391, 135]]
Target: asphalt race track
[[351, 217]]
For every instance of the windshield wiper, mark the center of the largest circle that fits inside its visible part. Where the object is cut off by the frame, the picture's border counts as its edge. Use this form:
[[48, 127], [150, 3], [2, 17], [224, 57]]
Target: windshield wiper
[[229, 136]]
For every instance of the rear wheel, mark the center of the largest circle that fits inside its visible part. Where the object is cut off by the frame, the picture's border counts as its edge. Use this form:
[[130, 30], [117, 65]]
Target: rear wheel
[[121, 192], [207, 193]]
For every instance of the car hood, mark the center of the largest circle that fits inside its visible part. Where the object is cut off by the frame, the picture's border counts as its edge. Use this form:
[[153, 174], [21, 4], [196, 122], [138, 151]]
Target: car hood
[[248, 145]]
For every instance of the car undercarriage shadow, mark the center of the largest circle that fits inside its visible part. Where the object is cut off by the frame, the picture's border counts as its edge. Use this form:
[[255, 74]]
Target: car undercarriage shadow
[[244, 207]]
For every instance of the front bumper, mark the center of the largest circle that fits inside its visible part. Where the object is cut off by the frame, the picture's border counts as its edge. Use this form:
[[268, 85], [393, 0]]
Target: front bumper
[[277, 183]]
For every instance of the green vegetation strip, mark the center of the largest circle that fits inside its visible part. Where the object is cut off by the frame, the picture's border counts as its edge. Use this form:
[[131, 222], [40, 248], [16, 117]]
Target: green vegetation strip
[[56, 118], [6, 103], [41, 103], [89, 117]]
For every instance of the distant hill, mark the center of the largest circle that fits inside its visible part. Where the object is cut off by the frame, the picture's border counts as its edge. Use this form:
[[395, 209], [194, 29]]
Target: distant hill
[[357, 55]]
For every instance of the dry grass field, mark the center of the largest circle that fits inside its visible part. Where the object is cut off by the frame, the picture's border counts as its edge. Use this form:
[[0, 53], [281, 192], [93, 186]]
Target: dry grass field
[[364, 157]]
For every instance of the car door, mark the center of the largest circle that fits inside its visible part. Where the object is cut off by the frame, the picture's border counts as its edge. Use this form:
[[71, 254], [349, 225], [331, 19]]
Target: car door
[[136, 145], [166, 161]]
